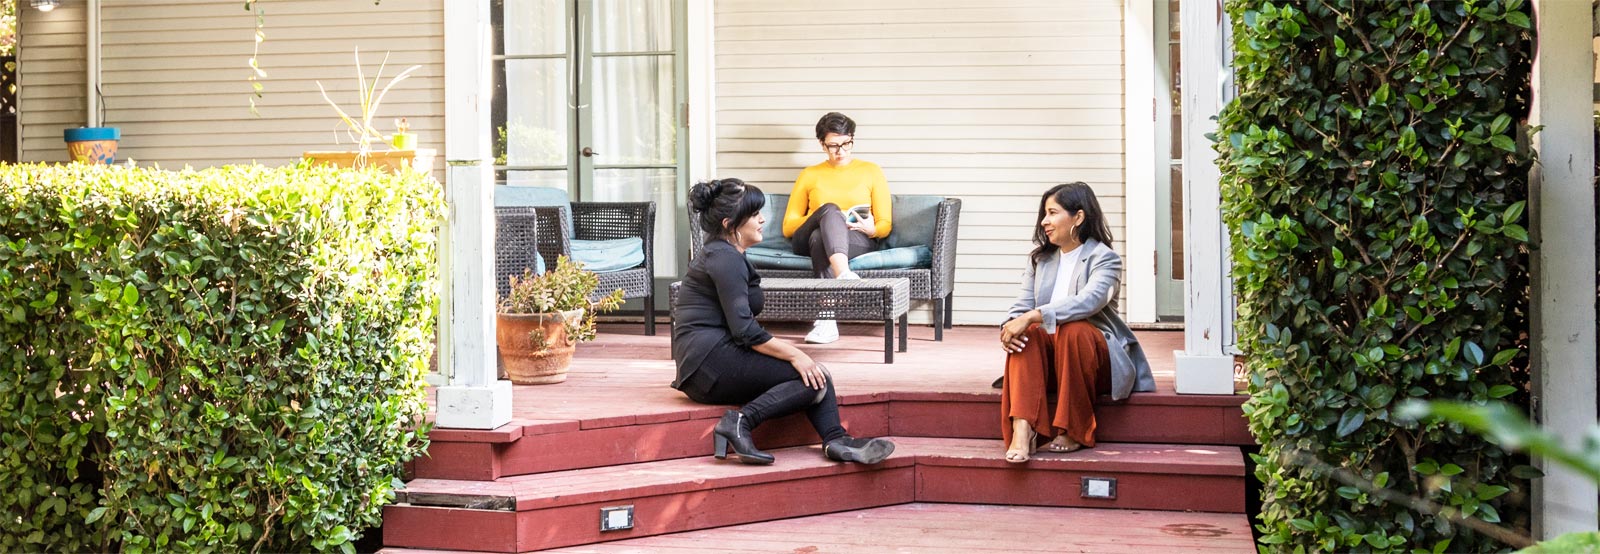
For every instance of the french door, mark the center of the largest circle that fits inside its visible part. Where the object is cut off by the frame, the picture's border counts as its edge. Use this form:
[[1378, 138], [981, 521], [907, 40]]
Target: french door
[[589, 98]]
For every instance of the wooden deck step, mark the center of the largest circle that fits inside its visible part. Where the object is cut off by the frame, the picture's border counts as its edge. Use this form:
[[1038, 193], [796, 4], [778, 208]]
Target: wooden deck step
[[949, 529], [960, 529], [532, 512], [526, 447]]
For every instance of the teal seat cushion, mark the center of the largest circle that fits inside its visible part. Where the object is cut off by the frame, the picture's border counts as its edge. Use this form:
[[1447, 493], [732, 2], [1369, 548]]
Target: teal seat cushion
[[914, 218], [605, 256], [905, 257], [516, 196], [764, 257]]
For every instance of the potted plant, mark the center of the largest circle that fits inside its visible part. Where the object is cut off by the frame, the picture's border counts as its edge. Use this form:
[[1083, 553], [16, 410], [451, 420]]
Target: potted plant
[[364, 135], [543, 318]]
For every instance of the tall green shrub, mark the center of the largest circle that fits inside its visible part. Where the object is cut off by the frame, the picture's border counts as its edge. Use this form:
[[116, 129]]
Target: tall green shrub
[[1374, 190], [225, 359]]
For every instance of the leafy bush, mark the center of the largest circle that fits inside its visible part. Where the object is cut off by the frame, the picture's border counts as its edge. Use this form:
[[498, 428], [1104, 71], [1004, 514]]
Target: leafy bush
[[222, 359], [1374, 191]]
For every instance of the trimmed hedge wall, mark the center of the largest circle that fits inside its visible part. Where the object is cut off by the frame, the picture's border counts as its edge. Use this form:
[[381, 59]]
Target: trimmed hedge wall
[[1374, 190], [225, 359]]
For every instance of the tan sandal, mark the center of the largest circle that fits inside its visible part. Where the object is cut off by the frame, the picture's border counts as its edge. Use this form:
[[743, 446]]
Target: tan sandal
[[1016, 456], [1061, 447]]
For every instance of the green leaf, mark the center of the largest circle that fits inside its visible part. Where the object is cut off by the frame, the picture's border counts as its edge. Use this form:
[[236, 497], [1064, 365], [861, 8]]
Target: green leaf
[[1501, 391], [1519, 19], [130, 295], [95, 515], [1350, 422], [1474, 353], [1515, 231], [1450, 469], [1504, 143], [1504, 357]]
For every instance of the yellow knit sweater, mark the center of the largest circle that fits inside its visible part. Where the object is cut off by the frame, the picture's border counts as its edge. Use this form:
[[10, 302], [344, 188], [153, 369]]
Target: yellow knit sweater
[[858, 182]]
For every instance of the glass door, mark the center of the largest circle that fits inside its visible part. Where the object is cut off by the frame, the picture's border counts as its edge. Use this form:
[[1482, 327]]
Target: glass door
[[588, 99], [1169, 160]]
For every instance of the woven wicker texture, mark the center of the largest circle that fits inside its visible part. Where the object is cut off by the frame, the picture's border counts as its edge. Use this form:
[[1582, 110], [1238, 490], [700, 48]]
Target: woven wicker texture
[[516, 239], [844, 300]]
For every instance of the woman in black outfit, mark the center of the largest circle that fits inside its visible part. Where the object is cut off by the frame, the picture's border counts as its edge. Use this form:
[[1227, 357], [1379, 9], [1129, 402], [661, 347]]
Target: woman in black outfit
[[725, 357]]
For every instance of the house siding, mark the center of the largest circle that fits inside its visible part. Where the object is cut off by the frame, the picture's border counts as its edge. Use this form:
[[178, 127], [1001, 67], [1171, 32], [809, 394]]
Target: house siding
[[175, 80], [51, 73], [991, 103]]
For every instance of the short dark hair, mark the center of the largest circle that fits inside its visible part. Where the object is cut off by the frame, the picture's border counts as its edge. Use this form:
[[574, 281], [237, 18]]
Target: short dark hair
[[728, 199], [1072, 197], [836, 123]]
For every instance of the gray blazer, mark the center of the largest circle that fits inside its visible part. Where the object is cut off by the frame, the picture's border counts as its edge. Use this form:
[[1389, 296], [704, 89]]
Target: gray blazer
[[1093, 298]]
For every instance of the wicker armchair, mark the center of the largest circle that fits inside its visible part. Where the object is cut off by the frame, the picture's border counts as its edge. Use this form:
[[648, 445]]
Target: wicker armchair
[[601, 221], [936, 283], [516, 243]]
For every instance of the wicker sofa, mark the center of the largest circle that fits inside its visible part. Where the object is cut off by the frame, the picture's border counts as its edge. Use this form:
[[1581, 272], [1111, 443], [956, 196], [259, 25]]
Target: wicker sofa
[[928, 222], [593, 228]]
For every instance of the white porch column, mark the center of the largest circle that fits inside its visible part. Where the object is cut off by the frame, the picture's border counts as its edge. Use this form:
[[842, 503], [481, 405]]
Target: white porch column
[[1203, 366], [1139, 159], [475, 397], [1562, 218], [701, 30]]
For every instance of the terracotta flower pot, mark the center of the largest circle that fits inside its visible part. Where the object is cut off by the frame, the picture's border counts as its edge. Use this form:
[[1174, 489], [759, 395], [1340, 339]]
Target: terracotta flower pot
[[534, 348]]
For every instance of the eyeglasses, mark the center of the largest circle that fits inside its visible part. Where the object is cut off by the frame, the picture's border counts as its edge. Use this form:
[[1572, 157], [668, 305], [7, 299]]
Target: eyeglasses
[[846, 145]]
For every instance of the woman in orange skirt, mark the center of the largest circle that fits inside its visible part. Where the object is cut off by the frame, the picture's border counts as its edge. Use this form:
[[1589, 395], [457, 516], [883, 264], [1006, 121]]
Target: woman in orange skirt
[[1063, 334]]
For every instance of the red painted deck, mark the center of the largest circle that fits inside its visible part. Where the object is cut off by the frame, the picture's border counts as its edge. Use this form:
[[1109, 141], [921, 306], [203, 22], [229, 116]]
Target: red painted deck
[[954, 529], [616, 434], [958, 529]]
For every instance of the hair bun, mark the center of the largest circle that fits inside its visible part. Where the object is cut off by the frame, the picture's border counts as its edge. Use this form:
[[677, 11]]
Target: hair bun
[[701, 195]]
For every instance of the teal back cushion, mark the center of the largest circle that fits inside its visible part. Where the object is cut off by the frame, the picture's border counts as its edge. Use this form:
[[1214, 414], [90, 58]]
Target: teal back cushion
[[905, 257], [605, 256], [914, 219], [536, 197], [772, 233]]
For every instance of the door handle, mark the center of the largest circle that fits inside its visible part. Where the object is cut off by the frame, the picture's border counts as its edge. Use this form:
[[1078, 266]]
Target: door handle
[[589, 152]]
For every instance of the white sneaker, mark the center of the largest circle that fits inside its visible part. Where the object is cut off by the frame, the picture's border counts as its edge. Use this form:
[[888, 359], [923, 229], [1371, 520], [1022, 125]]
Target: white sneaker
[[849, 275], [823, 331]]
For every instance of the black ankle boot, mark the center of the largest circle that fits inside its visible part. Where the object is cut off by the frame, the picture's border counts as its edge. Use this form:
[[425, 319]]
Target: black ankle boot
[[735, 428], [864, 451]]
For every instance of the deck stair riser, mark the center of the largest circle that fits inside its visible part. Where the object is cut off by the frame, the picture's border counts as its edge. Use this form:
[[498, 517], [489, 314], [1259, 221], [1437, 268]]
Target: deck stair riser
[[529, 447], [533, 512]]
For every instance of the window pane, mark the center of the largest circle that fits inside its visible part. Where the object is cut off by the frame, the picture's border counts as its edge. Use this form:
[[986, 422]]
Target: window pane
[[552, 178], [530, 112], [632, 25], [639, 185], [634, 119], [529, 27], [1176, 192]]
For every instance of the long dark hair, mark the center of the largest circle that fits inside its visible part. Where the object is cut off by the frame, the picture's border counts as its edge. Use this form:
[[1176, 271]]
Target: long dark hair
[[728, 199], [1072, 197]]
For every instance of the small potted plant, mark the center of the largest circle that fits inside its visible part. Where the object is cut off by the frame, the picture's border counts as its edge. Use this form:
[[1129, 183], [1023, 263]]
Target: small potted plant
[[543, 318], [359, 129]]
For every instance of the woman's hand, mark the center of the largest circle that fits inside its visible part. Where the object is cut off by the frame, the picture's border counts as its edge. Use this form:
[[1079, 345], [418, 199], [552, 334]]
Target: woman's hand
[[1013, 335], [810, 372], [864, 226]]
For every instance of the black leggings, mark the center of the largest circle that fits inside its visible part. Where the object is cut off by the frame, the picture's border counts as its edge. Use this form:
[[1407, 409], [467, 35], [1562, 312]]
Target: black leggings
[[767, 387], [825, 234]]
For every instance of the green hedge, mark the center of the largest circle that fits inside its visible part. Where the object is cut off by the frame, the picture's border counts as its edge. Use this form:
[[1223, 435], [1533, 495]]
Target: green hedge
[[223, 359], [1374, 190]]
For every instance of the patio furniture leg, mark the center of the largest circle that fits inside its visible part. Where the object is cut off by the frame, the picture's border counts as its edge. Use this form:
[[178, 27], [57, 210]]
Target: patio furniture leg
[[650, 315], [938, 315], [888, 341], [903, 333], [950, 310]]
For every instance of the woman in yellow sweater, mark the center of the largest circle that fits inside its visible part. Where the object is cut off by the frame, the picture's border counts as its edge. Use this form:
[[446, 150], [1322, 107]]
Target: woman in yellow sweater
[[838, 210]]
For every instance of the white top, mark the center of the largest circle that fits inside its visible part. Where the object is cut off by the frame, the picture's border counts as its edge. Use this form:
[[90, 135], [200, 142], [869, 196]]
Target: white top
[[1066, 272]]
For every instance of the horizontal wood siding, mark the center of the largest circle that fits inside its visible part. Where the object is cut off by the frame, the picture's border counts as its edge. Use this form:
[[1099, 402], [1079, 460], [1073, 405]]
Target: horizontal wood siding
[[993, 103], [50, 79], [175, 76]]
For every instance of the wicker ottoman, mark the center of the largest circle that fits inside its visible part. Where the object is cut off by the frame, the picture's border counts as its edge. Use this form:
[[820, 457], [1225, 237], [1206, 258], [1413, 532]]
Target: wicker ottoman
[[883, 300]]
